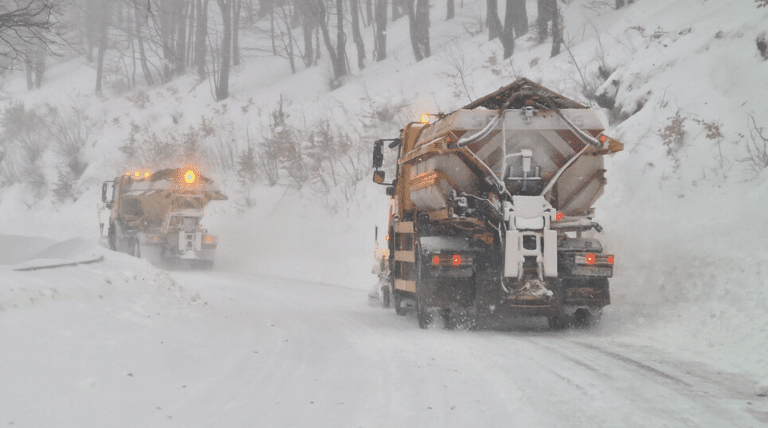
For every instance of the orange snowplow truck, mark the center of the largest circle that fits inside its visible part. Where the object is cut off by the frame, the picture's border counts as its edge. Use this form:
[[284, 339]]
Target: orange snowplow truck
[[492, 211], [157, 215]]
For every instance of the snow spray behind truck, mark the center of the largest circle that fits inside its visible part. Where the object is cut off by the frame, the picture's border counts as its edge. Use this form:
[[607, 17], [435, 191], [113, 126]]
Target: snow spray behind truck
[[492, 211], [157, 215]]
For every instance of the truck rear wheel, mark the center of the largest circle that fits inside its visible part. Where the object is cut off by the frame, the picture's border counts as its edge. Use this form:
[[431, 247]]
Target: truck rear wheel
[[385, 294], [112, 237], [397, 302]]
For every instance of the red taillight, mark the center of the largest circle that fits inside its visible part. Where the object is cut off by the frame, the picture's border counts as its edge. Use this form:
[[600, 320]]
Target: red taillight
[[559, 216], [435, 260], [610, 260], [456, 260], [590, 259]]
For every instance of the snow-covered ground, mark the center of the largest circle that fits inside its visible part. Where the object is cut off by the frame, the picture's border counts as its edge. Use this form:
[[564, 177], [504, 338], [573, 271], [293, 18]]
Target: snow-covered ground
[[281, 332]]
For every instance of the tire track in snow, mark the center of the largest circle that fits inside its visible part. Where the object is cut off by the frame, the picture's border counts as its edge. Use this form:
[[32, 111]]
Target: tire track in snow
[[718, 402]]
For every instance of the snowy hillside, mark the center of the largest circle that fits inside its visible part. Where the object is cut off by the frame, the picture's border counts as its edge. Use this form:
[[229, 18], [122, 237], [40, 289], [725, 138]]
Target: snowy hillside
[[681, 83]]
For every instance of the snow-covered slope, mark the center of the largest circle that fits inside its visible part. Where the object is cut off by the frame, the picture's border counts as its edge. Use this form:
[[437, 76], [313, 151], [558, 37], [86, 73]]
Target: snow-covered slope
[[682, 211]]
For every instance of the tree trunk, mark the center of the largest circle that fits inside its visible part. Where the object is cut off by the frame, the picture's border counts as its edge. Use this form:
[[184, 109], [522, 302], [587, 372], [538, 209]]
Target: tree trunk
[[338, 72], [289, 46], [181, 37], [201, 30], [308, 25], [545, 15], [236, 33], [557, 31], [356, 36], [368, 12], [414, 29], [140, 14], [492, 20], [422, 26], [222, 89], [266, 7], [191, 31], [508, 36], [92, 30], [451, 10], [104, 14], [519, 17], [380, 44], [341, 38], [40, 53]]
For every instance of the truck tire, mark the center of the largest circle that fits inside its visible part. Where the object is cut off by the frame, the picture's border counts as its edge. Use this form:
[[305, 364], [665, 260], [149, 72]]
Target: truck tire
[[449, 319], [397, 302], [385, 296], [112, 237]]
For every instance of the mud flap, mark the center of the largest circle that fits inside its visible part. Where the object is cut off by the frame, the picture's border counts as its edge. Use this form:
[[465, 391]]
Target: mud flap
[[512, 254], [550, 253]]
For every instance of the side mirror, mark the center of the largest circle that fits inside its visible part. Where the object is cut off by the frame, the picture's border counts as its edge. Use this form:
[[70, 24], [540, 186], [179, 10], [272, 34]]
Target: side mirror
[[390, 191], [378, 157], [378, 177]]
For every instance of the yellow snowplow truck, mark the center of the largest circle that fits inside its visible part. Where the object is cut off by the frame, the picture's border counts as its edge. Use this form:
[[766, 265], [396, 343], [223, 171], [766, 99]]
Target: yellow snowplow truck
[[157, 215], [492, 211]]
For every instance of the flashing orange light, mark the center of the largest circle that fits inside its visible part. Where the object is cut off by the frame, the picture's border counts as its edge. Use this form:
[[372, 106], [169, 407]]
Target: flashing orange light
[[386, 238], [208, 239], [425, 118], [559, 216], [128, 173], [189, 176], [456, 260], [590, 259], [435, 260], [146, 174], [136, 174], [610, 260]]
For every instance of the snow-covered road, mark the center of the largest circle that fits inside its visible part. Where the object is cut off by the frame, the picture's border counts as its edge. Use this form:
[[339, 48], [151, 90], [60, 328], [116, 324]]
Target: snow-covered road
[[120, 344], [307, 354]]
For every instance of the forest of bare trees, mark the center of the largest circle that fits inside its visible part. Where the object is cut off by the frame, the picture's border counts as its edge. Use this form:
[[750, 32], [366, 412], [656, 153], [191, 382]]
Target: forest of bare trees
[[147, 42]]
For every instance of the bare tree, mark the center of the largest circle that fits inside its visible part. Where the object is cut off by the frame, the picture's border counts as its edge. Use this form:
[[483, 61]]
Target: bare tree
[[308, 25], [25, 27], [418, 20], [543, 18], [492, 20], [450, 10], [222, 85], [236, 32], [201, 34], [557, 29], [356, 36], [338, 57], [380, 30], [519, 17], [549, 11], [105, 17], [508, 36]]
